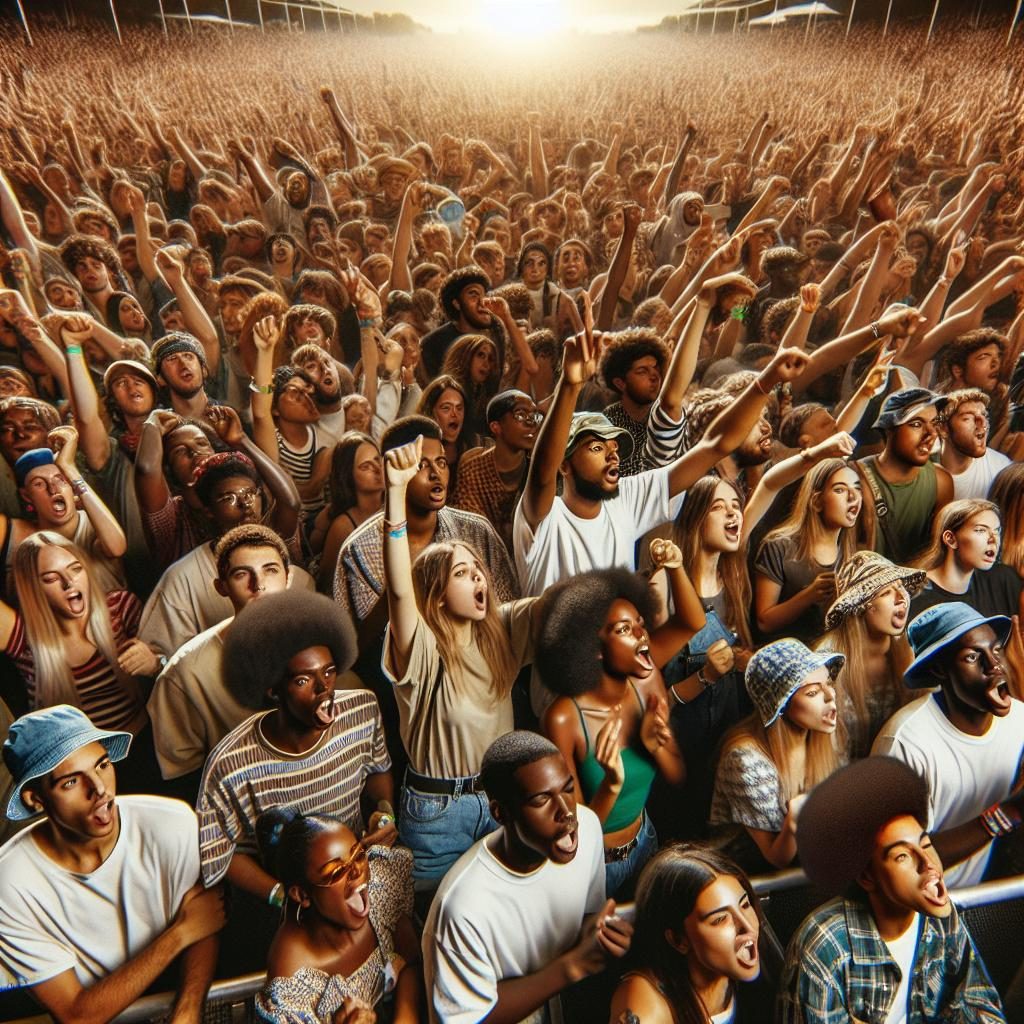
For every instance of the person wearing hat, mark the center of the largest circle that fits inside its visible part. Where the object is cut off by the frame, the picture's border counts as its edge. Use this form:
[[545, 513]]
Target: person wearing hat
[[889, 945], [491, 480], [867, 623], [774, 758], [597, 519], [966, 737], [179, 362], [462, 296], [906, 486], [99, 896], [393, 174]]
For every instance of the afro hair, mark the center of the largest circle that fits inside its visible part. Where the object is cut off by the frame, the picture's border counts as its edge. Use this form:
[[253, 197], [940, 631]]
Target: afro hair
[[568, 655], [843, 814], [456, 282], [268, 633]]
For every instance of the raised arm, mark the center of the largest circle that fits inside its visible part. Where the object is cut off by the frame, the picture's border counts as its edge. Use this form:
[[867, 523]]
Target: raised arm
[[150, 484], [193, 313], [672, 181], [499, 308], [619, 268], [265, 335], [729, 429], [549, 450], [92, 435], [795, 335], [412, 206], [401, 465]]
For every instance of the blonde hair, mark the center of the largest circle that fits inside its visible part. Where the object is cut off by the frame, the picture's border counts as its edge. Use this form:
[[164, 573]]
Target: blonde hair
[[953, 516], [55, 683], [804, 524], [430, 575], [777, 741]]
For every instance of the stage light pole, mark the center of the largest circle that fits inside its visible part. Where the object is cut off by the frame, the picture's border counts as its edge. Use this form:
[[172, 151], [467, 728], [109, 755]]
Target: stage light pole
[[931, 24], [1013, 24], [24, 22], [117, 27]]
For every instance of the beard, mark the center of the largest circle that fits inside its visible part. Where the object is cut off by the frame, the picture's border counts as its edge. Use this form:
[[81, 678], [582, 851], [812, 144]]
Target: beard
[[189, 393], [323, 397], [590, 491]]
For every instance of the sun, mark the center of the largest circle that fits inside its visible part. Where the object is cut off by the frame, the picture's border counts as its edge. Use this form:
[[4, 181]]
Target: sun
[[533, 18]]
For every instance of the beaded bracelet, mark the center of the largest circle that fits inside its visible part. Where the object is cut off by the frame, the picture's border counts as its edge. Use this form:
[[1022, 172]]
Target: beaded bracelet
[[996, 822]]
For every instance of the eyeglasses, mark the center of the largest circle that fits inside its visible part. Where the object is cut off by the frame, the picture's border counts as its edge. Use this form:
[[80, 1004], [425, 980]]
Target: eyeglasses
[[237, 498], [351, 868], [297, 390], [526, 416]]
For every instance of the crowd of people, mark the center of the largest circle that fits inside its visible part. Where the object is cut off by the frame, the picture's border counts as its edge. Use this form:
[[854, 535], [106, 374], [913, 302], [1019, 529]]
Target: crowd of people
[[478, 513]]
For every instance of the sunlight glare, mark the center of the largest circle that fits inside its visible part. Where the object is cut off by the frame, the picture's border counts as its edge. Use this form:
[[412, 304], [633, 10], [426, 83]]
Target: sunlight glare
[[533, 18]]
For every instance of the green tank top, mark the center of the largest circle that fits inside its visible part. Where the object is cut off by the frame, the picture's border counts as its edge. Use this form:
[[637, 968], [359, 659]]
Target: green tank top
[[910, 509], [639, 771]]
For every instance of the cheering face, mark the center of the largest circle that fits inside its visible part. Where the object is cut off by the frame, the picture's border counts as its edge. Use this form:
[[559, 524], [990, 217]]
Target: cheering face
[[78, 795], [642, 381], [967, 429], [481, 364], [64, 581], [337, 878], [625, 643], [465, 596], [719, 936], [450, 414], [572, 266], [888, 610], [594, 466], [976, 543], [184, 448], [92, 274], [470, 308], [813, 706], [723, 524], [841, 499], [306, 696], [913, 441], [977, 674], [905, 872], [981, 370], [47, 490], [428, 489], [182, 372], [544, 815]]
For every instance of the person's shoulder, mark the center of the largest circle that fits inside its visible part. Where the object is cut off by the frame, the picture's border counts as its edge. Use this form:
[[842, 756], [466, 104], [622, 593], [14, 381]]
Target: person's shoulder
[[460, 519], [180, 571], [242, 736], [912, 725], [162, 814], [198, 646], [589, 824], [823, 934], [16, 851], [365, 533], [355, 701]]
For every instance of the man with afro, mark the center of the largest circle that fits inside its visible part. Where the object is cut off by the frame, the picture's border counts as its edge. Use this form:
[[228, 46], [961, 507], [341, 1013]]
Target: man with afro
[[890, 946]]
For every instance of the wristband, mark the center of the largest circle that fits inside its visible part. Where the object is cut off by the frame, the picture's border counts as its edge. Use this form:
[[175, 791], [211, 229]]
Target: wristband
[[678, 699], [703, 679], [996, 822], [276, 896], [366, 324], [398, 532], [79, 487], [260, 389], [73, 350], [385, 819], [739, 313], [875, 330]]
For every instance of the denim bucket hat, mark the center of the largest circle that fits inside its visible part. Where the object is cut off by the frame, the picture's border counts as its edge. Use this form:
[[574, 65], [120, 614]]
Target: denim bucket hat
[[39, 741], [937, 627], [779, 669]]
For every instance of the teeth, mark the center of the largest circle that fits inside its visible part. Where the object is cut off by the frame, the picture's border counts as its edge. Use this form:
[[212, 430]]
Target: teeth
[[566, 843]]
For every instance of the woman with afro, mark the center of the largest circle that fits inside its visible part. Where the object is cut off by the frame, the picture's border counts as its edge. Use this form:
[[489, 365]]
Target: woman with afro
[[599, 650]]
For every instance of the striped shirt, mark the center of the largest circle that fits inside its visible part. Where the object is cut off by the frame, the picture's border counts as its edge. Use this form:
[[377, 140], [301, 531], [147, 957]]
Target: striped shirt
[[109, 702], [299, 466], [665, 437], [245, 775]]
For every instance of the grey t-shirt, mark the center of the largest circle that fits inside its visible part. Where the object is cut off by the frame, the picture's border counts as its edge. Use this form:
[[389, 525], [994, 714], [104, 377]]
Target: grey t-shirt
[[777, 560]]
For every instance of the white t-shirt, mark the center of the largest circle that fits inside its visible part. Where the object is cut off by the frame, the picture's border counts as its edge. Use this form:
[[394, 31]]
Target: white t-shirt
[[965, 774], [903, 950], [52, 919], [488, 923], [565, 545], [976, 480]]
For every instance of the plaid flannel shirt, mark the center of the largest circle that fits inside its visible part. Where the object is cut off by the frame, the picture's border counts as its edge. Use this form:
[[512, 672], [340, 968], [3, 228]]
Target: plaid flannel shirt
[[839, 969]]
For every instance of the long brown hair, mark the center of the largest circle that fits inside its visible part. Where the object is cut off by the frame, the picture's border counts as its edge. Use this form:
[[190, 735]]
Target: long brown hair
[[952, 517], [732, 565], [804, 524], [1007, 492], [430, 575]]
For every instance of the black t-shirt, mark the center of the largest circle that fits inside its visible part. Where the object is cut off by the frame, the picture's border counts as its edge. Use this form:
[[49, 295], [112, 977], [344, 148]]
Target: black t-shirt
[[995, 591]]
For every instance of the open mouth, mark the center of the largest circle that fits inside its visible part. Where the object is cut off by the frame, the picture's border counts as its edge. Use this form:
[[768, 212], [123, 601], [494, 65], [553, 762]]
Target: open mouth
[[999, 696], [747, 954], [612, 473], [437, 493], [852, 513], [359, 901], [829, 718], [990, 554], [568, 841], [899, 619], [76, 602], [59, 506], [766, 444], [934, 890], [732, 531], [643, 657], [104, 813], [325, 711]]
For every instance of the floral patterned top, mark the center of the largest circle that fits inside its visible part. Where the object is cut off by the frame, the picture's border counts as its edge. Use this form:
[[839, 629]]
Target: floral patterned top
[[312, 996]]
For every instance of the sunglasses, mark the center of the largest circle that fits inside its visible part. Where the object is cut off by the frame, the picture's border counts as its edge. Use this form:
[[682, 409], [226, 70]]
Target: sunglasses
[[351, 868], [237, 498]]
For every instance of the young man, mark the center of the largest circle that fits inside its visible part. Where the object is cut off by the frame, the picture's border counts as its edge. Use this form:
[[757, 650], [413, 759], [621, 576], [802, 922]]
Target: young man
[[906, 486], [964, 428], [492, 479], [975, 360], [632, 365], [180, 366], [190, 708], [966, 738], [97, 269], [462, 296], [100, 895], [597, 520], [574, 265], [327, 377], [522, 914], [890, 946]]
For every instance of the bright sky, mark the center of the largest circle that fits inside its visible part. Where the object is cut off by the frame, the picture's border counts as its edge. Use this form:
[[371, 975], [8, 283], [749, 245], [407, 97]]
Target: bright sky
[[528, 17]]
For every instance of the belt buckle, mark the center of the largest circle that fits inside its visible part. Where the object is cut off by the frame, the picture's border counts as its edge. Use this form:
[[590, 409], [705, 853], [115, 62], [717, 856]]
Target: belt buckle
[[457, 792]]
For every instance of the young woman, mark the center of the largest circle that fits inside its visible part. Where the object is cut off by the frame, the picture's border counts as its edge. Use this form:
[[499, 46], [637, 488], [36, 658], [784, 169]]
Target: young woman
[[695, 944], [771, 760], [473, 361], [598, 650], [356, 486], [1007, 494], [867, 624], [452, 654], [962, 561], [346, 940], [444, 401], [794, 573]]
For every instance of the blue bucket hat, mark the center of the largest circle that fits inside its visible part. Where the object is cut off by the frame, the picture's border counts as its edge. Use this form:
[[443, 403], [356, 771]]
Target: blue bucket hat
[[39, 741], [937, 627], [778, 670], [901, 406]]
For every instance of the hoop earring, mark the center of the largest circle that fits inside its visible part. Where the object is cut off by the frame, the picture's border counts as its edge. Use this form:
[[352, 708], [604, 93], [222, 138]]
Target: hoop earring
[[298, 914]]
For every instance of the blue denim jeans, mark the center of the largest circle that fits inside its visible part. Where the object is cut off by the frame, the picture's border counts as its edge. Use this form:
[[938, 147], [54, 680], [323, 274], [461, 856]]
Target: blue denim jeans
[[439, 829], [620, 875]]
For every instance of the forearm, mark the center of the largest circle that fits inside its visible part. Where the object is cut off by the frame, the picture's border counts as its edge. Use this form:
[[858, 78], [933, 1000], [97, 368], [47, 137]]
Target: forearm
[[261, 404], [109, 535], [182, 148], [538, 162], [832, 355], [519, 997], [954, 845], [772, 618], [870, 289], [14, 220], [527, 360], [731, 334], [379, 791], [287, 503], [672, 181], [246, 873], [258, 176], [198, 965], [616, 278], [93, 440], [143, 245], [795, 335], [198, 322]]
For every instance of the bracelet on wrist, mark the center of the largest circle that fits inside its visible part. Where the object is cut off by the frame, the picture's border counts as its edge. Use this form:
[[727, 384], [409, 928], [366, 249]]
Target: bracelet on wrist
[[675, 694], [997, 822], [260, 389], [275, 897], [367, 323], [875, 330], [79, 487], [703, 679], [73, 350]]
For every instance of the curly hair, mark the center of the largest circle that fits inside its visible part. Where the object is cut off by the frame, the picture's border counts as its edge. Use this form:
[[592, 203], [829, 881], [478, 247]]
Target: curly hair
[[268, 633], [76, 248], [568, 651], [248, 535], [299, 314], [220, 466], [456, 282], [505, 756], [958, 351], [624, 348]]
